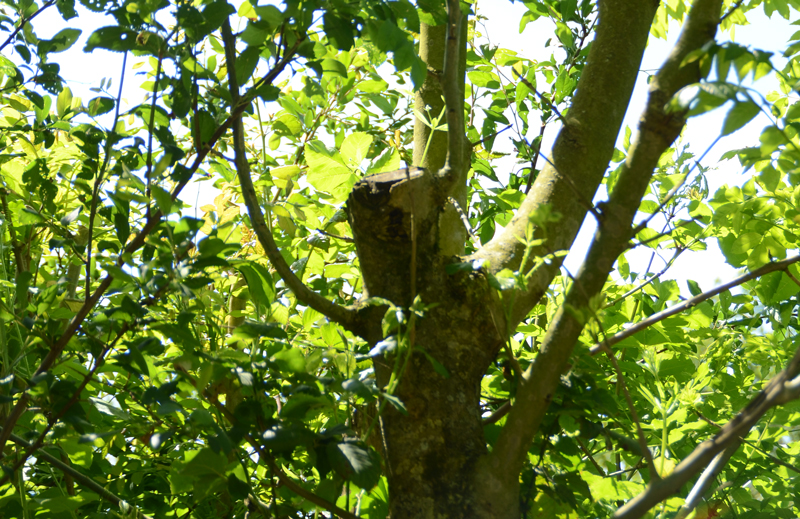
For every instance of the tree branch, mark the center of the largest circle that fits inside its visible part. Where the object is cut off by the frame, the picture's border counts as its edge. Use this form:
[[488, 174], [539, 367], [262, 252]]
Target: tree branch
[[784, 388], [340, 314], [24, 21], [582, 150], [657, 131], [706, 478], [86, 481], [453, 98], [696, 300]]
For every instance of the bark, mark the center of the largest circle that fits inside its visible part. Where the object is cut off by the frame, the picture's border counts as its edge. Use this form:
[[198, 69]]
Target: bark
[[437, 462], [657, 130], [583, 148], [431, 157], [435, 455]]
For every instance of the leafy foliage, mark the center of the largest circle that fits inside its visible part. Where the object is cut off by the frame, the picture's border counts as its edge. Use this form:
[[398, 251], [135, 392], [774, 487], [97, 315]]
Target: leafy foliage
[[157, 353]]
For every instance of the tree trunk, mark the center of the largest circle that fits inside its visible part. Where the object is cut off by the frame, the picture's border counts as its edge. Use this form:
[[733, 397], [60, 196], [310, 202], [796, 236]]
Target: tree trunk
[[431, 452]]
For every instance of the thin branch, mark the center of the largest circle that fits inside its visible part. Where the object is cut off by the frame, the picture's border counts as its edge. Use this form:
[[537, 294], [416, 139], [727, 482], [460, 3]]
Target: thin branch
[[784, 388], [689, 303], [454, 102], [754, 446], [84, 480], [706, 479], [498, 414], [24, 21], [305, 494], [342, 315], [535, 159], [648, 456], [99, 180]]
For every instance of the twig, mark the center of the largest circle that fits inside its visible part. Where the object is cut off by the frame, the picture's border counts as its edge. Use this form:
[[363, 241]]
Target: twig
[[590, 457], [99, 181], [660, 235], [495, 134], [543, 98], [23, 21], [648, 456], [689, 303], [791, 276], [535, 159], [12, 233], [464, 220], [733, 8], [343, 238], [672, 192], [78, 476], [649, 280]]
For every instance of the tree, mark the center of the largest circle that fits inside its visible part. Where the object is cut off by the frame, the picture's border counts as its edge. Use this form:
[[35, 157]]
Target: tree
[[346, 344]]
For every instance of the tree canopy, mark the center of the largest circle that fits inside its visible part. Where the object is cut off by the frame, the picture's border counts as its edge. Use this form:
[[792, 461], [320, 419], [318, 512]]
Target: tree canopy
[[372, 318]]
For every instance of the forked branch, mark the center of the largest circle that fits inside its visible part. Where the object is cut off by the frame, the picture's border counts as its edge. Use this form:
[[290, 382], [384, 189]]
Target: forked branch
[[657, 131]]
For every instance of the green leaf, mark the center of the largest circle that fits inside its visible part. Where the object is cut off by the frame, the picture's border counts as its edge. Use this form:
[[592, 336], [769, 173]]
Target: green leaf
[[64, 102], [100, 106], [290, 360], [246, 63], [741, 114], [355, 148], [259, 281], [694, 288], [437, 366], [63, 40], [328, 171], [355, 462], [163, 198], [389, 160], [338, 30]]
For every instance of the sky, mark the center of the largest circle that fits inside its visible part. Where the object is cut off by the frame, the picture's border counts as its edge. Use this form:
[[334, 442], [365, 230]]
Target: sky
[[84, 71]]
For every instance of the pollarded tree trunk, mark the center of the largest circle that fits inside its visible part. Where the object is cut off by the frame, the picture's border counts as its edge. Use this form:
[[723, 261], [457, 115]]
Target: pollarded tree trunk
[[437, 459], [431, 452]]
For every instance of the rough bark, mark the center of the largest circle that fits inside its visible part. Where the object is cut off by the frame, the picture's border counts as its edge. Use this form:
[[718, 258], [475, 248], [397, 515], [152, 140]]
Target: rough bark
[[433, 454], [432, 451]]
